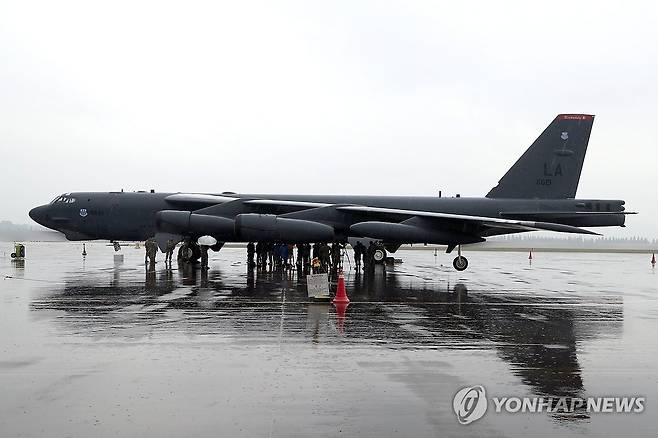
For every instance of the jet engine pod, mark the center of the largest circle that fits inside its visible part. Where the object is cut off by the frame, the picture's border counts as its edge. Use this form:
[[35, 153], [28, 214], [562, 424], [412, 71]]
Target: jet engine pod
[[185, 222], [216, 226], [271, 228], [173, 221], [394, 232]]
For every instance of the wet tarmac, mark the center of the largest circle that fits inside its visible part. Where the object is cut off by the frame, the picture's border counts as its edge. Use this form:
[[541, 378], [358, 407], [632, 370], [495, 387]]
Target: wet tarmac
[[93, 348]]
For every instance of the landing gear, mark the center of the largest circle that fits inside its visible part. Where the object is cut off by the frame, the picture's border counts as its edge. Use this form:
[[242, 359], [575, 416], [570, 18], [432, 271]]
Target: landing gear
[[379, 255], [460, 262], [196, 253], [189, 252]]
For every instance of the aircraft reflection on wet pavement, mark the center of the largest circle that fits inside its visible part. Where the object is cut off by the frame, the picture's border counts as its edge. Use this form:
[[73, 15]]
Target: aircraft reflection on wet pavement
[[536, 335]]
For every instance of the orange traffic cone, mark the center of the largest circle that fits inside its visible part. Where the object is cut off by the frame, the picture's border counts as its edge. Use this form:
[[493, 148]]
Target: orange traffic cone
[[530, 256], [341, 294]]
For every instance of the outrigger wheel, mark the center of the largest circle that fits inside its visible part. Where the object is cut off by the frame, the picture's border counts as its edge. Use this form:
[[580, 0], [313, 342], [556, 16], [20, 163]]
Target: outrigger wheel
[[460, 263]]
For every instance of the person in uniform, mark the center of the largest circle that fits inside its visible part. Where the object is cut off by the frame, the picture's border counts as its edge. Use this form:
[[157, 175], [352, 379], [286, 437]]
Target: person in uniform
[[325, 256], [204, 257], [251, 250], [359, 251], [169, 251], [367, 257], [291, 255], [183, 252], [335, 256], [275, 255], [299, 261], [151, 251], [306, 258], [283, 255], [259, 255]]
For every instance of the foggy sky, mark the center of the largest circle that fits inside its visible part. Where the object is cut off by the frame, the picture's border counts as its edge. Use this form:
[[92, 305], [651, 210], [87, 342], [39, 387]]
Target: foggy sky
[[351, 97]]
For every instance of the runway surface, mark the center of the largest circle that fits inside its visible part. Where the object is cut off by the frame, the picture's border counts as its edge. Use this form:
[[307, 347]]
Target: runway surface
[[93, 348]]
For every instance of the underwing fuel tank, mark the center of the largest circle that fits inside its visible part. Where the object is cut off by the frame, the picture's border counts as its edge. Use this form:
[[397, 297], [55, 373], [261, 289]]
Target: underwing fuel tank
[[393, 232], [185, 222], [271, 228]]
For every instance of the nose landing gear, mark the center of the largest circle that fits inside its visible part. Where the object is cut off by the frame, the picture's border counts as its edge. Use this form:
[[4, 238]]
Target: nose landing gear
[[460, 262]]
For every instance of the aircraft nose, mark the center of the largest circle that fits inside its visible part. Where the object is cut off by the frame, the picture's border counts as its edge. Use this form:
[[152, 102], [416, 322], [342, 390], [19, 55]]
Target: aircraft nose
[[38, 214]]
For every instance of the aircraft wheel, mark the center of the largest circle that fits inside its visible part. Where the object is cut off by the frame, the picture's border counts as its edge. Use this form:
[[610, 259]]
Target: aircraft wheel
[[379, 256], [460, 263], [189, 252], [13, 255], [194, 253]]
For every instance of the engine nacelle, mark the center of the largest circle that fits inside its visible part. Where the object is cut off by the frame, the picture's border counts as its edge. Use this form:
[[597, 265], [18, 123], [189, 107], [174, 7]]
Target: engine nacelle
[[185, 222], [271, 228], [392, 232]]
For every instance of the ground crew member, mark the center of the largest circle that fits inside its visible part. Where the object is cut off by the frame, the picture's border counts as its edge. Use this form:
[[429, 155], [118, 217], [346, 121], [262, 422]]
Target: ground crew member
[[276, 255], [259, 255], [169, 251], [367, 256], [204, 257], [291, 255], [335, 256], [300, 256], [306, 261], [359, 252], [283, 255], [303, 256], [182, 252], [251, 249], [325, 255], [151, 251]]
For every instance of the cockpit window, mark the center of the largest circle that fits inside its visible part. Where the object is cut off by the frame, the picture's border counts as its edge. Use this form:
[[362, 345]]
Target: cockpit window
[[64, 199]]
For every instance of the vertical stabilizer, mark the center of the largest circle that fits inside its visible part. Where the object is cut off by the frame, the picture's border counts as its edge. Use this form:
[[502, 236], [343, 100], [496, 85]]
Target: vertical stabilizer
[[550, 168]]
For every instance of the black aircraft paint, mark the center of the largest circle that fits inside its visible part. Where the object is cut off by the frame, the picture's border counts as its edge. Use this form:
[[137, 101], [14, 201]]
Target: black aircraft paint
[[551, 166], [537, 193]]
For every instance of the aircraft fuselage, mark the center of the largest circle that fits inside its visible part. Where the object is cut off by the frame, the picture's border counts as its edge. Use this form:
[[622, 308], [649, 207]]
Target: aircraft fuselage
[[131, 216]]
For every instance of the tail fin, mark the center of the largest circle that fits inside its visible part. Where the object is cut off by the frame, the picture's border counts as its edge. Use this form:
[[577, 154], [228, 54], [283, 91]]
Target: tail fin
[[550, 168]]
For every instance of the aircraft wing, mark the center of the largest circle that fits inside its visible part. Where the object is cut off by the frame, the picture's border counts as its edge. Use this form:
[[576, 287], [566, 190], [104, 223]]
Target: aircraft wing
[[284, 203], [508, 224], [252, 218]]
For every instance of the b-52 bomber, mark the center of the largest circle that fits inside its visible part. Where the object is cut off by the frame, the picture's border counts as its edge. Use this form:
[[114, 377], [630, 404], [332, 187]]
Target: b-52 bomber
[[537, 193]]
